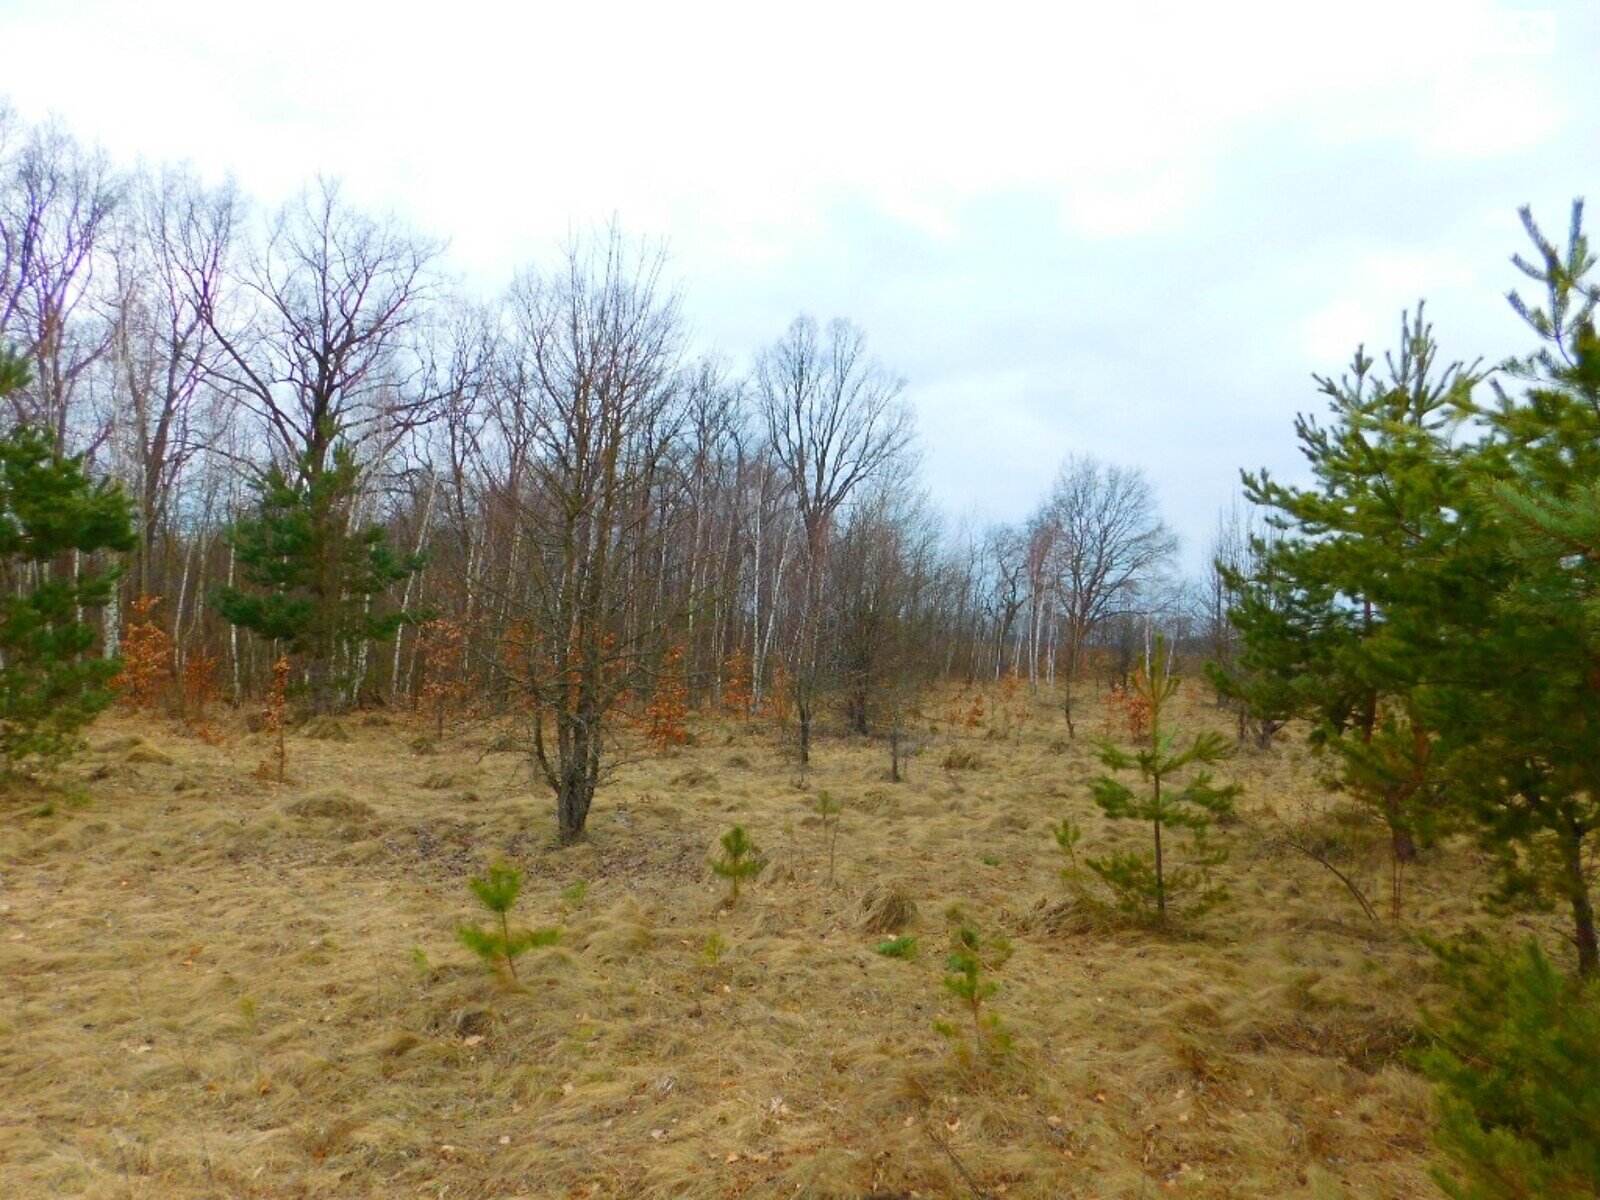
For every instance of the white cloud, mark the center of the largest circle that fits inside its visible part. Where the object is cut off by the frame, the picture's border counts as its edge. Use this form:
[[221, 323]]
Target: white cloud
[[1170, 208]]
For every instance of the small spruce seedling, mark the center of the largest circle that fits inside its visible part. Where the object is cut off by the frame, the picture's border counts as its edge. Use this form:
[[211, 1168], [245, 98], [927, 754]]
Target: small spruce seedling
[[971, 960], [740, 860], [500, 948]]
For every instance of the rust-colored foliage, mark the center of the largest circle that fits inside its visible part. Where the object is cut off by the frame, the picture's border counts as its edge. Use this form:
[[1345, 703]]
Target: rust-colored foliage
[[666, 719], [516, 657], [208, 733], [956, 713], [276, 714], [1128, 709], [974, 715], [778, 701], [199, 684], [543, 684], [736, 685], [1012, 708], [146, 676], [444, 683]]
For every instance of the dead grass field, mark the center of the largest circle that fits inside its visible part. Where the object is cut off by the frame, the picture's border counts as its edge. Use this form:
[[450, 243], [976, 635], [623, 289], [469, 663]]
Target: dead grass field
[[216, 986]]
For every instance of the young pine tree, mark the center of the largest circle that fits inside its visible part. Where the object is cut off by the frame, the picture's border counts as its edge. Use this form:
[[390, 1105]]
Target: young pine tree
[[1340, 603], [829, 810], [1175, 796], [972, 961], [1518, 1078], [1518, 699], [53, 524], [315, 577], [740, 860], [498, 944]]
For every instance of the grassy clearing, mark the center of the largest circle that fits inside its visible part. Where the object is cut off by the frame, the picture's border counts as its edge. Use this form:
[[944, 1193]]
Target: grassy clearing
[[216, 985]]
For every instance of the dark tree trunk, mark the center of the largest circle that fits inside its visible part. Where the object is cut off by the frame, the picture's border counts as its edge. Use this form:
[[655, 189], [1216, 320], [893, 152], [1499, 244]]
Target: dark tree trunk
[[802, 711], [1583, 930], [858, 710]]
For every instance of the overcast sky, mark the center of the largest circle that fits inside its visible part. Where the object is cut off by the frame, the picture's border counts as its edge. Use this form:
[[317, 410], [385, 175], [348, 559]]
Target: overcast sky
[[1135, 230]]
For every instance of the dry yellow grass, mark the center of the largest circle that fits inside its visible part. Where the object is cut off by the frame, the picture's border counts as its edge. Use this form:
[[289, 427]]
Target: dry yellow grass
[[216, 986]]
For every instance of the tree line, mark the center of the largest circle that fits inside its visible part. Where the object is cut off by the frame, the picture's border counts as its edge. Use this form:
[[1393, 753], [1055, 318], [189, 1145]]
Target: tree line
[[334, 453]]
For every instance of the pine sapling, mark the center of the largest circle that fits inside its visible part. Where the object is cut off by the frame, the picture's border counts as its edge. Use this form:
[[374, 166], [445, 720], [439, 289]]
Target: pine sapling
[[52, 683], [903, 947], [500, 947], [1068, 834], [971, 960], [1145, 883], [829, 809], [740, 860], [714, 948], [1516, 1075]]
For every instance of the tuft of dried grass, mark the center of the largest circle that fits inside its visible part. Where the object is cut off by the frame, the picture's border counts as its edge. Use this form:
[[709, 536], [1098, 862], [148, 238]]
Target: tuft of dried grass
[[886, 908], [331, 806], [326, 729], [962, 758]]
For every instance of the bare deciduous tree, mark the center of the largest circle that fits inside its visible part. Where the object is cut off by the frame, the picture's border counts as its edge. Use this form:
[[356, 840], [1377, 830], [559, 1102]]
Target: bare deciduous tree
[[320, 346], [173, 249], [57, 199], [834, 419], [1111, 543], [593, 366]]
